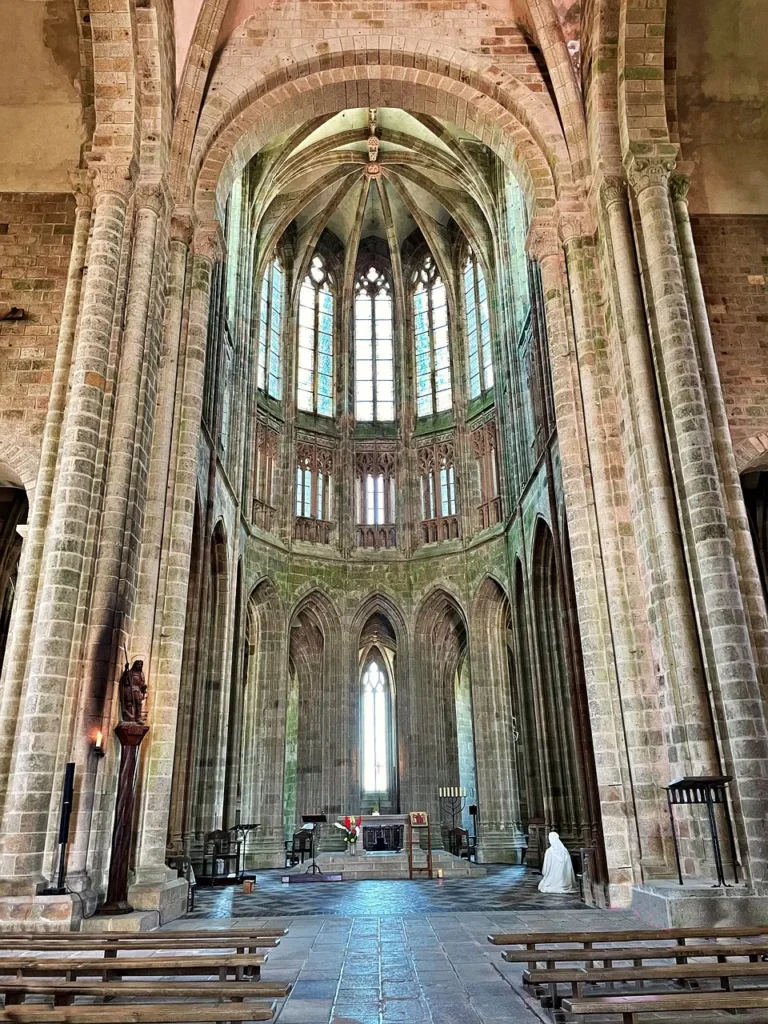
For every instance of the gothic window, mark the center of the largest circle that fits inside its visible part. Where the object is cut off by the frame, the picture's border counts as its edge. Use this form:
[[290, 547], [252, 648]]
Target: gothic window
[[439, 520], [314, 493], [268, 377], [315, 370], [376, 730], [375, 498], [234, 216], [478, 327], [485, 453], [374, 363], [433, 357], [265, 459]]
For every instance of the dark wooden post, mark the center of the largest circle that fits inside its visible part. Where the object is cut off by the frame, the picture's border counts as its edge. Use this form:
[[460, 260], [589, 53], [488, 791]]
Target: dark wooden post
[[130, 735]]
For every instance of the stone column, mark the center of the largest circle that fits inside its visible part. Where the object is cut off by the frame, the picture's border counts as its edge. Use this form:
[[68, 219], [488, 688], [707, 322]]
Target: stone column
[[732, 670], [32, 556], [589, 569], [109, 602], [25, 821], [689, 718], [171, 614], [721, 434]]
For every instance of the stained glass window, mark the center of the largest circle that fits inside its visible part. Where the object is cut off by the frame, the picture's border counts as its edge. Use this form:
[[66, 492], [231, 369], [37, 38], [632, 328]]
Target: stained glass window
[[314, 387], [268, 376], [375, 728], [478, 327], [433, 355], [374, 362]]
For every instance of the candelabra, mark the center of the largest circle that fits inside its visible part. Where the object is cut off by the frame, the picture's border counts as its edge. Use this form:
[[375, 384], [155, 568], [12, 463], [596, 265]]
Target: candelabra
[[453, 800]]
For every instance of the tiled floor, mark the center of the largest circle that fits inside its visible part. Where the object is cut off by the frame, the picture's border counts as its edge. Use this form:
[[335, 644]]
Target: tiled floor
[[400, 952], [503, 888]]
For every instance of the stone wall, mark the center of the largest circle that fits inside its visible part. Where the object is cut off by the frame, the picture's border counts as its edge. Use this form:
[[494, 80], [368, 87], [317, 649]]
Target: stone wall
[[733, 259], [35, 241]]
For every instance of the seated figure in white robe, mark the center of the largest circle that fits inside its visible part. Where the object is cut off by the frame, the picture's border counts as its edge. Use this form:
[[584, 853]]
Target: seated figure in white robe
[[557, 872]]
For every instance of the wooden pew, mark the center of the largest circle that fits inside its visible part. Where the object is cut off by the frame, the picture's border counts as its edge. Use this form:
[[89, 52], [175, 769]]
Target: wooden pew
[[578, 977], [136, 1013], [111, 948], [64, 992], [146, 966], [182, 933], [587, 939], [610, 954], [630, 1007]]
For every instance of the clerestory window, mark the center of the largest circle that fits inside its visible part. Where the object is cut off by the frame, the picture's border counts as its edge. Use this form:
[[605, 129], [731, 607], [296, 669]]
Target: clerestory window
[[433, 356], [268, 374], [314, 387], [478, 327], [374, 361]]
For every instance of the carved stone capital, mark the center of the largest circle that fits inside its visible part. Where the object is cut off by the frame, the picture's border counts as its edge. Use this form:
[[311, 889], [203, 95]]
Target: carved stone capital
[[574, 224], [82, 188], [679, 185], [542, 240], [613, 190], [208, 240], [182, 225], [153, 195], [116, 179], [648, 171]]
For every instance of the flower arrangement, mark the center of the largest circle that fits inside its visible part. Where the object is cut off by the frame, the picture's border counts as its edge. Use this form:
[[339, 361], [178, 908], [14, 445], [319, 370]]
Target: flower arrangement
[[350, 827]]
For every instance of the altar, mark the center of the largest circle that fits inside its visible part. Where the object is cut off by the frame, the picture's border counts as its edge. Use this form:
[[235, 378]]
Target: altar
[[383, 833]]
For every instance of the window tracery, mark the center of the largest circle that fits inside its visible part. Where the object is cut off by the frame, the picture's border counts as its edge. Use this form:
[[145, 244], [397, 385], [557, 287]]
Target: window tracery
[[314, 387], [484, 449], [439, 518], [433, 357], [314, 493], [374, 358], [264, 463], [478, 327], [268, 375], [375, 470]]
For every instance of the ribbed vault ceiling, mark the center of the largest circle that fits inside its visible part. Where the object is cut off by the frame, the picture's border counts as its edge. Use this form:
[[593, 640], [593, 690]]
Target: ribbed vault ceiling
[[373, 174]]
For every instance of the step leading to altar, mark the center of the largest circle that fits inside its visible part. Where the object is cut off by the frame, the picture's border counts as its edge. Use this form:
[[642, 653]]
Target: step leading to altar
[[365, 864]]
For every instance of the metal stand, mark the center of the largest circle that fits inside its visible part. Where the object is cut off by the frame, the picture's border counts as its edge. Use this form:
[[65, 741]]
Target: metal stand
[[705, 790], [315, 820]]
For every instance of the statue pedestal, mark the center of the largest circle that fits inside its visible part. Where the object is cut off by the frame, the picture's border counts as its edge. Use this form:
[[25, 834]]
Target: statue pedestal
[[130, 735]]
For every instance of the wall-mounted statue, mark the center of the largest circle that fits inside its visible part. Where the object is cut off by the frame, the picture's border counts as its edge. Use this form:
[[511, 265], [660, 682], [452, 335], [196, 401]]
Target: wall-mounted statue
[[133, 692]]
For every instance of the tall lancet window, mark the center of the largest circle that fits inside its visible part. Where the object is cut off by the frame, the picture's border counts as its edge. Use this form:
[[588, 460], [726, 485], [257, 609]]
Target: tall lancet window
[[315, 371], [478, 327], [376, 730], [374, 362], [433, 356], [268, 375]]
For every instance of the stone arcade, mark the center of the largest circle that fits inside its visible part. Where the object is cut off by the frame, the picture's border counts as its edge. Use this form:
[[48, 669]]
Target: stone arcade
[[390, 379]]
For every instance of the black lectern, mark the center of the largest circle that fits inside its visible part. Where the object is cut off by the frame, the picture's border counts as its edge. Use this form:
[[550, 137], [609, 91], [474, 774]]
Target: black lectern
[[315, 820]]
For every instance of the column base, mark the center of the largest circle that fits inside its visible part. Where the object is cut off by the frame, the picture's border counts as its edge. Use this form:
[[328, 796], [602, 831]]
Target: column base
[[166, 898], [499, 846], [40, 913], [666, 904], [138, 921]]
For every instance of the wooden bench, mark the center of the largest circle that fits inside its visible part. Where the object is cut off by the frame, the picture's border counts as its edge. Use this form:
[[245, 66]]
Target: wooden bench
[[146, 966], [64, 992], [610, 954], [137, 1013], [587, 939], [631, 1006], [185, 933], [111, 948], [578, 977]]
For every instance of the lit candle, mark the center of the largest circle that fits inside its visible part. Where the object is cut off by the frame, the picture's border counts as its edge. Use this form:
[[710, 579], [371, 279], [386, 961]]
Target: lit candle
[[99, 738]]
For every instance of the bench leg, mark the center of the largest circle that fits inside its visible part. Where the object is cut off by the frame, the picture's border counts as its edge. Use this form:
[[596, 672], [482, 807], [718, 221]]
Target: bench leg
[[629, 1018]]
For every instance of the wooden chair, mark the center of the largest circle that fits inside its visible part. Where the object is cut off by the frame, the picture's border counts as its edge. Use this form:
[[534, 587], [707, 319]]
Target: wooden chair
[[301, 846], [221, 848]]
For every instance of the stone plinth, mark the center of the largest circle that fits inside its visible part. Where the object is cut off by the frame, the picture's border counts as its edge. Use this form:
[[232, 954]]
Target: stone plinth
[[665, 904], [137, 921], [166, 899], [40, 913]]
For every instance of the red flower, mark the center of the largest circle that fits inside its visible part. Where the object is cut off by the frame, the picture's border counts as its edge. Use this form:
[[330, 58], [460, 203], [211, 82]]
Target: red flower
[[359, 822], [347, 822]]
